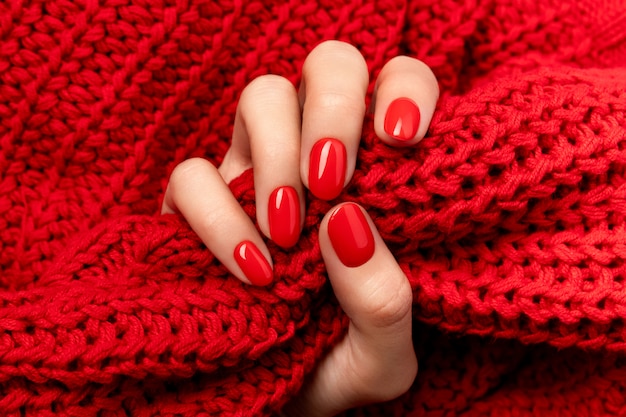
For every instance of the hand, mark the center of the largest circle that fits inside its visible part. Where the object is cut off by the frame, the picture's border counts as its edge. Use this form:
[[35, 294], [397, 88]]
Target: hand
[[310, 138]]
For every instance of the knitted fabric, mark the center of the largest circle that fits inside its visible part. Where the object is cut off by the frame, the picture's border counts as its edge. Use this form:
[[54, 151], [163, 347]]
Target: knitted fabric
[[508, 219]]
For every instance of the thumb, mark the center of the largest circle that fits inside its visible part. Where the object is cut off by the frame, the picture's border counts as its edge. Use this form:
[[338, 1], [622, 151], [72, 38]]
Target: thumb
[[375, 361]]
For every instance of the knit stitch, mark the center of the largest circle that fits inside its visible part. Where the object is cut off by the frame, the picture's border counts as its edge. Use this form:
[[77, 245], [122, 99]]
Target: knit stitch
[[508, 218]]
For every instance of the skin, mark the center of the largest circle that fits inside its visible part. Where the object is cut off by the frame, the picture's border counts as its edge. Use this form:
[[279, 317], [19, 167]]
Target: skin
[[275, 129]]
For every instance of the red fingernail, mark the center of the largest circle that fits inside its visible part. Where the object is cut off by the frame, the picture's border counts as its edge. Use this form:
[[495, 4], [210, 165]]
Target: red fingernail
[[253, 264], [327, 168], [284, 216], [351, 235], [402, 119]]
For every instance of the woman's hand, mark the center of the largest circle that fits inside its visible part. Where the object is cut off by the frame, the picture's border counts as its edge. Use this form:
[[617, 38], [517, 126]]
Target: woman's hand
[[309, 138]]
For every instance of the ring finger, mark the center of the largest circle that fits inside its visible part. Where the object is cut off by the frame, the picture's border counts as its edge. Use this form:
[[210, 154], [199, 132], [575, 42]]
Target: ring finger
[[266, 136]]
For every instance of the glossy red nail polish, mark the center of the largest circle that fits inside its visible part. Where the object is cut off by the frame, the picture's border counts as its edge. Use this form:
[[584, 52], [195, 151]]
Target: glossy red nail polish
[[351, 235], [327, 168], [284, 216], [253, 264], [402, 119]]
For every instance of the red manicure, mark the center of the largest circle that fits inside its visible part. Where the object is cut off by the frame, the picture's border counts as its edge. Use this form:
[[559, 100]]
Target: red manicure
[[327, 168], [402, 119], [253, 264], [351, 235], [284, 216]]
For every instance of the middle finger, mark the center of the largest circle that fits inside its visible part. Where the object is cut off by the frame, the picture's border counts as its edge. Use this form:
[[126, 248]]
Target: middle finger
[[332, 94]]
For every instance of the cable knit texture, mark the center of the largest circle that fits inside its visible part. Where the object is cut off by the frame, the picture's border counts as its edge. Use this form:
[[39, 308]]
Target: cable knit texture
[[508, 219]]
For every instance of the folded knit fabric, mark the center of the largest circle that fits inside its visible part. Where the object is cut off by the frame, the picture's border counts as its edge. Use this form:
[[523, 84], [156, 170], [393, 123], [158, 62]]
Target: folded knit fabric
[[508, 219]]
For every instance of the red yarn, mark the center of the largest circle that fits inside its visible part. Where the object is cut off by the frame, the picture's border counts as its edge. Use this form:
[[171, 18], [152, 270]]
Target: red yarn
[[509, 218]]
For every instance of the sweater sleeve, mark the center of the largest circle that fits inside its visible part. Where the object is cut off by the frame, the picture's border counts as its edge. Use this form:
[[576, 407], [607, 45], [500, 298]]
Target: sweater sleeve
[[138, 302]]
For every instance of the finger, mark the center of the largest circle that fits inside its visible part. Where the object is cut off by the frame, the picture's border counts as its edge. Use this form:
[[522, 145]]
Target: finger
[[266, 136], [405, 96], [334, 83], [368, 282], [199, 193], [375, 361]]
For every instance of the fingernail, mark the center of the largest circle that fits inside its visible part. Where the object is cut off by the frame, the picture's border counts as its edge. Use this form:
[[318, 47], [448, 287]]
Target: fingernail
[[253, 264], [327, 168], [402, 119], [350, 235], [284, 216]]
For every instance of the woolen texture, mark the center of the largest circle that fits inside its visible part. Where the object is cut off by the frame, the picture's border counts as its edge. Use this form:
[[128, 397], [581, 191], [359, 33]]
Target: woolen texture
[[508, 218]]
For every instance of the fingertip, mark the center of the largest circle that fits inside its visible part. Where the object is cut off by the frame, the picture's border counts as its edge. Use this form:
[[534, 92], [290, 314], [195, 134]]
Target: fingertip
[[350, 235], [406, 95], [402, 119], [284, 212], [253, 263], [327, 168], [359, 264]]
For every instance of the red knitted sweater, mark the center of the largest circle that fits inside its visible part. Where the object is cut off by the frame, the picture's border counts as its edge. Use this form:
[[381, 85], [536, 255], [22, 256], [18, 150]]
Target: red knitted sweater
[[508, 219]]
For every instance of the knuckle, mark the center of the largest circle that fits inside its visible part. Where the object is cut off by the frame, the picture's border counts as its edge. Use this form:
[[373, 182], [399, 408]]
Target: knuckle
[[402, 61], [428, 76], [267, 87], [336, 48], [188, 169], [387, 308], [338, 101], [336, 56], [418, 71]]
